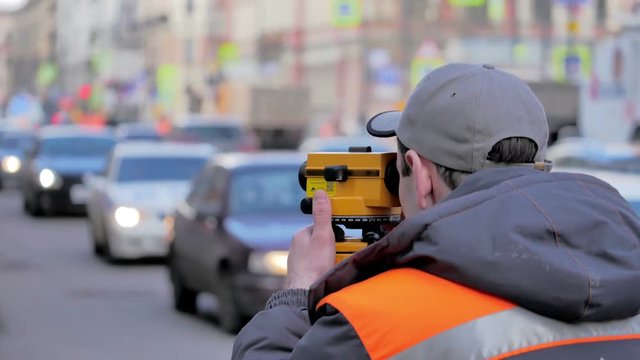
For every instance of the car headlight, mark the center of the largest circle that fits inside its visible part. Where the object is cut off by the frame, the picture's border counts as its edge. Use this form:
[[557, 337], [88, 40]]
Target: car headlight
[[11, 164], [127, 217], [270, 263], [48, 179]]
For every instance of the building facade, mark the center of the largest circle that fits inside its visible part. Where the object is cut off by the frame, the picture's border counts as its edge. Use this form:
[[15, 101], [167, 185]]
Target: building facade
[[175, 41], [5, 29], [334, 63], [358, 57], [31, 44]]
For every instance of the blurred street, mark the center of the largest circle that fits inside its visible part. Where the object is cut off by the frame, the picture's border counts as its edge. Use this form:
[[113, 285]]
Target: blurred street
[[58, 301], [176, 130]]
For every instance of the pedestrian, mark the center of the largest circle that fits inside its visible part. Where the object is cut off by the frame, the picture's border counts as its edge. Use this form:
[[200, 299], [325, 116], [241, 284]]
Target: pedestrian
[[496, 257]]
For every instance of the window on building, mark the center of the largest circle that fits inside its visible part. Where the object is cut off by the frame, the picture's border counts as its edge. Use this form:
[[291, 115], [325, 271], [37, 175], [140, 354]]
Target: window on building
[[93, 37], [188, 51], [270, 48], [601, 12], [476, 15], [542, 10], [190, 6]]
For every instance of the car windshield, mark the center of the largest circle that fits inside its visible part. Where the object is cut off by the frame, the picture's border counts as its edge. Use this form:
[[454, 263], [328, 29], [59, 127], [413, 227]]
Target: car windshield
[[159, 168], [76, 146], [16, 142], [140, 135], [265, 191], [212, 133], [624, 164], [628, 165]]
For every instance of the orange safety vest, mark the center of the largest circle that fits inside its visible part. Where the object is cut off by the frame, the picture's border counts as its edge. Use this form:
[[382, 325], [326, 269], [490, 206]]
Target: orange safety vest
[[408, 313]]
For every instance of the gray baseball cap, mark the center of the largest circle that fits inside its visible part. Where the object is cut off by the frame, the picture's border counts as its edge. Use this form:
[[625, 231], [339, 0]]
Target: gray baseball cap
[[458, 112]]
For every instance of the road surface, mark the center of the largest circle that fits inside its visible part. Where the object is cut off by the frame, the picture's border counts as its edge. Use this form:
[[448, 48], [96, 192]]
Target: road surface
[[58, 301]]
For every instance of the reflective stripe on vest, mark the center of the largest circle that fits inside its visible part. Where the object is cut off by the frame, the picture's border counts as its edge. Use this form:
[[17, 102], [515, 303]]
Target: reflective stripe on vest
[[410, 314]]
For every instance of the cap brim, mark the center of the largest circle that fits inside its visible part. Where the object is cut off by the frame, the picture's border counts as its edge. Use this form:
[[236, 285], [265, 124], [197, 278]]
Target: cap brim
[[384, 124]]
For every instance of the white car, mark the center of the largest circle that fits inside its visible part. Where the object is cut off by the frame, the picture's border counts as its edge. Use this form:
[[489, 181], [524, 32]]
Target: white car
[[143, 183], [615, 163]]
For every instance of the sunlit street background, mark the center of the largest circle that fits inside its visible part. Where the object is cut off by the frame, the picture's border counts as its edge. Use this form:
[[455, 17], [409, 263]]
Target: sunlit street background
[[150, 149]]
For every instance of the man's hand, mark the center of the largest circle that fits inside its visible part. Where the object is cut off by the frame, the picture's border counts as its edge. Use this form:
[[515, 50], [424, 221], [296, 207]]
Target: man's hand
[[313, 249]]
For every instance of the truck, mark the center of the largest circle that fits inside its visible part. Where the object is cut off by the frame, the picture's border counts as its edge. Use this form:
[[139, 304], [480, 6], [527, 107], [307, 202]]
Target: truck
[[279, 116], [561, 102]]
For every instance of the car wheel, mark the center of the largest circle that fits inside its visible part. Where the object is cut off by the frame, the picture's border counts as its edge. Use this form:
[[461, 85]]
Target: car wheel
[[184, 299], [108, 252], [97, 239], [25, 206], [98, 250], [46, 206], [32, 205], [228, 312]]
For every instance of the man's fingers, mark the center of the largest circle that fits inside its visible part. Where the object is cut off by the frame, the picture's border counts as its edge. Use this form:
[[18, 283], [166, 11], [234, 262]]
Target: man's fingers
[[312, 250], [321, 210]]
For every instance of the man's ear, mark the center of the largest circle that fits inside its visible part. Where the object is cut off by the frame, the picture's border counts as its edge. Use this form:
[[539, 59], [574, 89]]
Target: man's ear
[[420, 171]]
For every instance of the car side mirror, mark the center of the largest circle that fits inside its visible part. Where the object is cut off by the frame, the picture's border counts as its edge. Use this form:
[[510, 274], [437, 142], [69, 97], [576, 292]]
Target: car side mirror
[[209, 210], [94, 181], [210, 215]]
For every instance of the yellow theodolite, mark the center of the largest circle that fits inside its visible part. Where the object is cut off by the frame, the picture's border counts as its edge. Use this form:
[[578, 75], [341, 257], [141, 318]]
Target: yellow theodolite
[[363, 188]]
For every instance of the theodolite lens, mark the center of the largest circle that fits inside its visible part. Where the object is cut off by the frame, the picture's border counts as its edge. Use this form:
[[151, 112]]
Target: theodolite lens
[[302, 177], [392, 178]]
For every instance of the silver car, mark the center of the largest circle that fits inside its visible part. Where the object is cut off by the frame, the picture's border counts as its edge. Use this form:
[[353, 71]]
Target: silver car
[[143, 183]]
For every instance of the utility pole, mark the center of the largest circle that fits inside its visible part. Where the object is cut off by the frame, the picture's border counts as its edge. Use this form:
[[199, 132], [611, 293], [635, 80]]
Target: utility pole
[[572, 61], [299, 43], [365, 84], [406, 41], [545, 34], [512, 9]]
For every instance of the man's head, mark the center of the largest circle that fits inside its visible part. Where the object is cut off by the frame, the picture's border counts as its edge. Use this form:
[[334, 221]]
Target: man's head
[[461, 118]]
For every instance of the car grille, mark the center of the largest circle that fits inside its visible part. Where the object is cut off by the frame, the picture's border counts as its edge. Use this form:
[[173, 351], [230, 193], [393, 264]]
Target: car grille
[[70, 180]]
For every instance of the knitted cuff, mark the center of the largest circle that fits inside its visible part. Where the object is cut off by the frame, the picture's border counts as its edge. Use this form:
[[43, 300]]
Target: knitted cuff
[[289, 297]]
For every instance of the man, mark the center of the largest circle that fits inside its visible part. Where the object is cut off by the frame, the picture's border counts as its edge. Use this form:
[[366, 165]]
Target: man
[[495, 258]]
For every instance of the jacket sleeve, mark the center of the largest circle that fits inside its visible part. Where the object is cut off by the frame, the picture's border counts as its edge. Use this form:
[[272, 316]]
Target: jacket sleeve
[[331, 337], [275, 331], [283, 331]]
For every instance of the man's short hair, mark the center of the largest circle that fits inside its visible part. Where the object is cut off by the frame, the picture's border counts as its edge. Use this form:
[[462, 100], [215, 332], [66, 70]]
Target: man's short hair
[[512, 150]]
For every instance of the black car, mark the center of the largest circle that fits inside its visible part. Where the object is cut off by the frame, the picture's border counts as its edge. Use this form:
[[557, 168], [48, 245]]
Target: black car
[[53, 178], [231, 235], [14, 145]]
